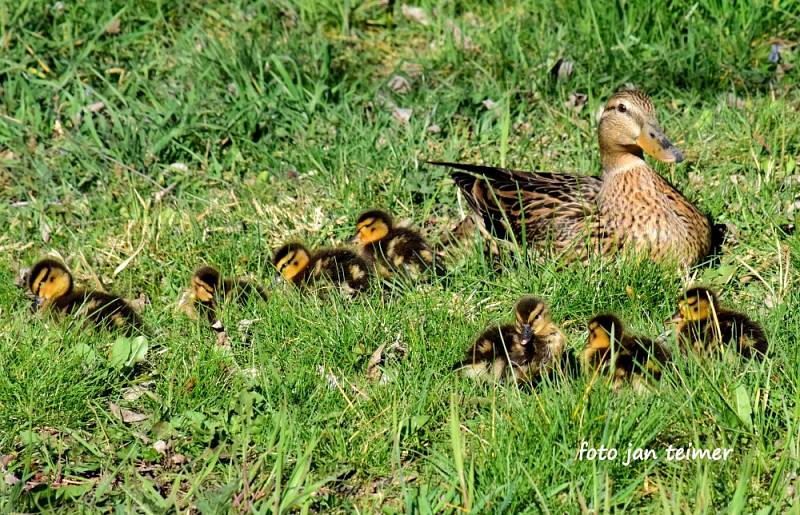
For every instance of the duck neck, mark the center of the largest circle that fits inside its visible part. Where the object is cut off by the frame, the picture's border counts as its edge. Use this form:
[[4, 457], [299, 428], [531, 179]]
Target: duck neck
[[621, 160]]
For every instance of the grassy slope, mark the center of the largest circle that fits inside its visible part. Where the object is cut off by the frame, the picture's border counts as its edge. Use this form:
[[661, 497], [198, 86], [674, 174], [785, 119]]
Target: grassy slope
[[279, 112]]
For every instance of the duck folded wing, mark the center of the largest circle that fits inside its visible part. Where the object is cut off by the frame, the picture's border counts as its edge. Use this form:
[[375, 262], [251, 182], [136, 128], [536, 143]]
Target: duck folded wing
[[533, 205]]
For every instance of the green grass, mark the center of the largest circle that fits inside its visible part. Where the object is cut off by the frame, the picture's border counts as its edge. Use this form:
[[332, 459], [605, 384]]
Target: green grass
[[279, 116]]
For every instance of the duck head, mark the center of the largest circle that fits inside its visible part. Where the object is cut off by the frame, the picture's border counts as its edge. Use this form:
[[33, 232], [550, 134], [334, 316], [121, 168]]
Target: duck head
[[696, 305], [290, 260], [372, 226], [629, 125], [531, 317], [49, 280]]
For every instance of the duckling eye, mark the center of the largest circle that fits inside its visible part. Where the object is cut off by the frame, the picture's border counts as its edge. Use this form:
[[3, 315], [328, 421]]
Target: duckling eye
[[621, 108]]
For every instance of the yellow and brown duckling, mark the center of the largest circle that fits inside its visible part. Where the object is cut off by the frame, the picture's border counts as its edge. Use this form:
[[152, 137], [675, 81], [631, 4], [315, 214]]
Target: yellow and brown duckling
[[524, 350], [632, 358], [702, 323], [629, 207], [53, 287], [342, 268], [208, 289], [394, 249]]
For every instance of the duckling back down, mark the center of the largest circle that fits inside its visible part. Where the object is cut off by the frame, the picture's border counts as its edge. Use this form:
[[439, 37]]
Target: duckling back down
[[342, 267]]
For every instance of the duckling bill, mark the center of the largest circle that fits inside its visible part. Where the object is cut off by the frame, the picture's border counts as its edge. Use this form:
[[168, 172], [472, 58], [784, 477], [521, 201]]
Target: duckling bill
[[523, 350], [632, 358], [52, 285], [393, 249], [342, 268], [703, 323]]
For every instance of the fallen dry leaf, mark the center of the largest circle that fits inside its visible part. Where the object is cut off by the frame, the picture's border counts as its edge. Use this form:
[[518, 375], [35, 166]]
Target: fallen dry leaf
[[163, 192], [10, 479], [179, 167], [44, 229], [132, 393], [489, 104], [433, 129], [402, 115], [139, 303], [96, 107], [58, 130], [415, 14], [399, 84], [7, 155], [126, 415], [161, 447], [21, 279], [385, 355], [178, 459], [113, 26]]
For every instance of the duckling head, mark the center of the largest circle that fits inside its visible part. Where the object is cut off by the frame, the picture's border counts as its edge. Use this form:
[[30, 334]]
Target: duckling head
[[532, 316], [48, 280], [372, 226], [696, 304], [602, 329], [629, 125], [204, 283], [290, 260]]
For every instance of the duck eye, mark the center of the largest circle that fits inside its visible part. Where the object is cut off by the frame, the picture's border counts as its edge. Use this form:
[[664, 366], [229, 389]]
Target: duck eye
[[621, 108]]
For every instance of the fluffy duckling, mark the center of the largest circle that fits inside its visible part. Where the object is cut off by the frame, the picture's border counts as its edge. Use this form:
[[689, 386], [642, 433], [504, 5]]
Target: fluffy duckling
[[343, 268], [393, 249], [208, 288], [635, 356], [702, 322], [52, 285], [630, 207], [524, 350]]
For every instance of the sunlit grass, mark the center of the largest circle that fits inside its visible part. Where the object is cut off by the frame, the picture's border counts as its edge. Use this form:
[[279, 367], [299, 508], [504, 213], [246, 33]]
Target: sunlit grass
[[191, 134]]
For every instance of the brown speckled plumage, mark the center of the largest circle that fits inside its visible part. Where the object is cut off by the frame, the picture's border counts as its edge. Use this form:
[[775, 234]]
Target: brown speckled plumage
[[630, 207], [339, 267]]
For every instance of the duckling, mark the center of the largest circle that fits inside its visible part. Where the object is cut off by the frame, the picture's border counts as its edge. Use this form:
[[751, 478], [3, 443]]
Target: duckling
[[701, 322], [629, 207], [532, 346], [635, 356], [393, 249], [52, 285], [208, 288], [341, 267]]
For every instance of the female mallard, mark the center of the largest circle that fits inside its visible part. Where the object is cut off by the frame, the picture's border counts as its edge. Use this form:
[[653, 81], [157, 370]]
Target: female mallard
[[629, 207]]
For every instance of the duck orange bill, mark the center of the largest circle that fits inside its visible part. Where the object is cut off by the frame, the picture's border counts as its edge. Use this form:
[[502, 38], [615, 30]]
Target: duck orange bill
[[653, 141]]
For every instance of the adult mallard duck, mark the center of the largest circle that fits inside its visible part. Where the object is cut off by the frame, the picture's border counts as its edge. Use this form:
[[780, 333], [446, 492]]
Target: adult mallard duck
[[629, 207]]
